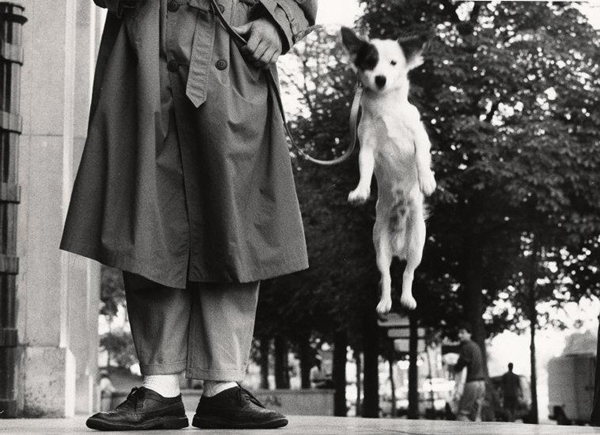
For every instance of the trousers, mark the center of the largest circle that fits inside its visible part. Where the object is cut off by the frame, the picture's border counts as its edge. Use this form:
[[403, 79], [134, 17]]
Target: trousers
[[205, 329], [471, 402]]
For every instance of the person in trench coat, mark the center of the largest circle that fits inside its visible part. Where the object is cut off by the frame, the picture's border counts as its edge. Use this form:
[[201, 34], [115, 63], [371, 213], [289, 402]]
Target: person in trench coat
[[186, 185]]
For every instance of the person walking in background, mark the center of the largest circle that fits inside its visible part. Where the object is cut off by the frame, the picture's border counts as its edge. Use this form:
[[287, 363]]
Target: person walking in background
[[473, 392], [186, 185], [318, 377], [511, 389]]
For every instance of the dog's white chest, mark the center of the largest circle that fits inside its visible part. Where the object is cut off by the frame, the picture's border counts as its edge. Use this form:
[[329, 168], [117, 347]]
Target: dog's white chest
[[391, 133]]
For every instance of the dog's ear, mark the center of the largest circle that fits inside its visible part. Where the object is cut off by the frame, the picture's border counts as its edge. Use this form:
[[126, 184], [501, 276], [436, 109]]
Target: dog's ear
[[351, 41], [413, 48]]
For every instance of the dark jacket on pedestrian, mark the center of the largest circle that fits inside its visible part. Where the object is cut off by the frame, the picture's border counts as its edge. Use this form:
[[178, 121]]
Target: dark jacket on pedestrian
[[511, 385]]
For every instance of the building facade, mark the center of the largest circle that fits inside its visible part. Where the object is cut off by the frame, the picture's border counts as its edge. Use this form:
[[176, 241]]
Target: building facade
[[57, 293]]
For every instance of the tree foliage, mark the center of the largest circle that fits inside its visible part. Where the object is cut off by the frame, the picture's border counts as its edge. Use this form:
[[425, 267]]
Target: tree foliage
[[507, 96], [112, 291], [120, 348]]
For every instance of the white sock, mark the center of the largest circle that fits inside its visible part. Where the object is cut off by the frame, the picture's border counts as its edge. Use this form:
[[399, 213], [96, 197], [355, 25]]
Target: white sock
[[212, 388], [165, 385]]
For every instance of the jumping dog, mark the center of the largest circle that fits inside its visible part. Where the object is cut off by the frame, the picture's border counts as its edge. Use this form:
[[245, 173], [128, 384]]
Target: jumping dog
[[394, 146]]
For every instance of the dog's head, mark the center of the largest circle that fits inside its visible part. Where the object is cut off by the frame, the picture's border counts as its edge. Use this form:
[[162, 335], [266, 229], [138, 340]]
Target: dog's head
[[383, 64]]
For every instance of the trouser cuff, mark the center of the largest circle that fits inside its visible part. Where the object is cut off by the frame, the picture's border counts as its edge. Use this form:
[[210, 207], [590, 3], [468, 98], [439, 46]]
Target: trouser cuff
[[163, 369]]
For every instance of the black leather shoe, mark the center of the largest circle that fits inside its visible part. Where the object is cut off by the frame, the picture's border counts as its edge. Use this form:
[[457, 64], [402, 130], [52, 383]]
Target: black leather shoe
[[235, 408], [143, 409]]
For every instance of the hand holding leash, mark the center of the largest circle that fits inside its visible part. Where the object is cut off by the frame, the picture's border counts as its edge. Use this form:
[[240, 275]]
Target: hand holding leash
[[264, 43], [241, 42]]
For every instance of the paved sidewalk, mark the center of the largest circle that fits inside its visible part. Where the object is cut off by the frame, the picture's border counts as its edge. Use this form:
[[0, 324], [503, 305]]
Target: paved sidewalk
[[303, 425]]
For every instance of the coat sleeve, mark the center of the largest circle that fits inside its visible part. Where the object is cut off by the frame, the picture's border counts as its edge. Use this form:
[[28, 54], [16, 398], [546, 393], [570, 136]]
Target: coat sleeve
[[115, 6], [293, 17]]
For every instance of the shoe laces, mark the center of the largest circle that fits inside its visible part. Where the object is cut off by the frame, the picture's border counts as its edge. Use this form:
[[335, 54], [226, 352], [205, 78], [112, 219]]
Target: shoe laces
[[136, 396], [248, 395]]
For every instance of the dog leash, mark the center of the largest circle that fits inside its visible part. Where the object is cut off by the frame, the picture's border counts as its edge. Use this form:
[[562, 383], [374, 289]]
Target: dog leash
[[272, 83]]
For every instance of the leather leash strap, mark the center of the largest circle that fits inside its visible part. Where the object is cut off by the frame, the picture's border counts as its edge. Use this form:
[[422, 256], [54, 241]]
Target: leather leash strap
[[240, 41]]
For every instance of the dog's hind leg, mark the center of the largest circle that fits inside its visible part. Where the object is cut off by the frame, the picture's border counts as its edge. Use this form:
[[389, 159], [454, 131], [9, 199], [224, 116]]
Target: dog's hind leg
[[384, 254], [414, 253]]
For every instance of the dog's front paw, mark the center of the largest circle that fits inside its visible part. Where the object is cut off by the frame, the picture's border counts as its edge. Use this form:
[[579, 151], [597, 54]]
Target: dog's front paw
[[384, 306], [408, 302], [427, 183], [359, 195]]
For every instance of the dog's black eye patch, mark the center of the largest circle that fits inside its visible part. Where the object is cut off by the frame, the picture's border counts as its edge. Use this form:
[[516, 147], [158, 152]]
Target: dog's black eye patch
[[367, 57]]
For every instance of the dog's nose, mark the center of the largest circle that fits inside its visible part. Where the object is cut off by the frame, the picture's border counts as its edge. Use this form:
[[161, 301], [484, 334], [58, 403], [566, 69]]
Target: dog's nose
[[380, 81]]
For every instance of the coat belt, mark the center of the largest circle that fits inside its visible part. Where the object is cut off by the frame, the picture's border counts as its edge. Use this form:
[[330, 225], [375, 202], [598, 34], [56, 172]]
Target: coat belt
[[201, 55]]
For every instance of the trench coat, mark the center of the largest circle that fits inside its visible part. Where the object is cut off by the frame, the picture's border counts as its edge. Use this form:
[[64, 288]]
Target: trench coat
[[185, 173]]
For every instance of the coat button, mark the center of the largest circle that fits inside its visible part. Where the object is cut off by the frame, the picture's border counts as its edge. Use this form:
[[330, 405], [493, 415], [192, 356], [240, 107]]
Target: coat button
[[173, 6], [221, 64], [172, 66], [221, 8]]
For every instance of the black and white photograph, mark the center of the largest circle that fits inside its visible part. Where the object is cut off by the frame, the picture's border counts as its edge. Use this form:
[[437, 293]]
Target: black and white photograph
[[300, 217]]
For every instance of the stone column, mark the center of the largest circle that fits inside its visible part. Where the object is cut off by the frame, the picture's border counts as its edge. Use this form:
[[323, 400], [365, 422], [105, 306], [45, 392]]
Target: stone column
[[58, 292]]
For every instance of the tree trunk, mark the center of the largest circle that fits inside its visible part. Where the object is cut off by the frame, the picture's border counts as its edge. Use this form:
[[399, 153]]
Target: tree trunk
[[413, 370], [474, 306], [534, 399], [282, 374], [339, 373], [306, 361], [532, 314], [370, 405], [264, 348], [595, 417], [473, 295], [358, 359], [391, 362]]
